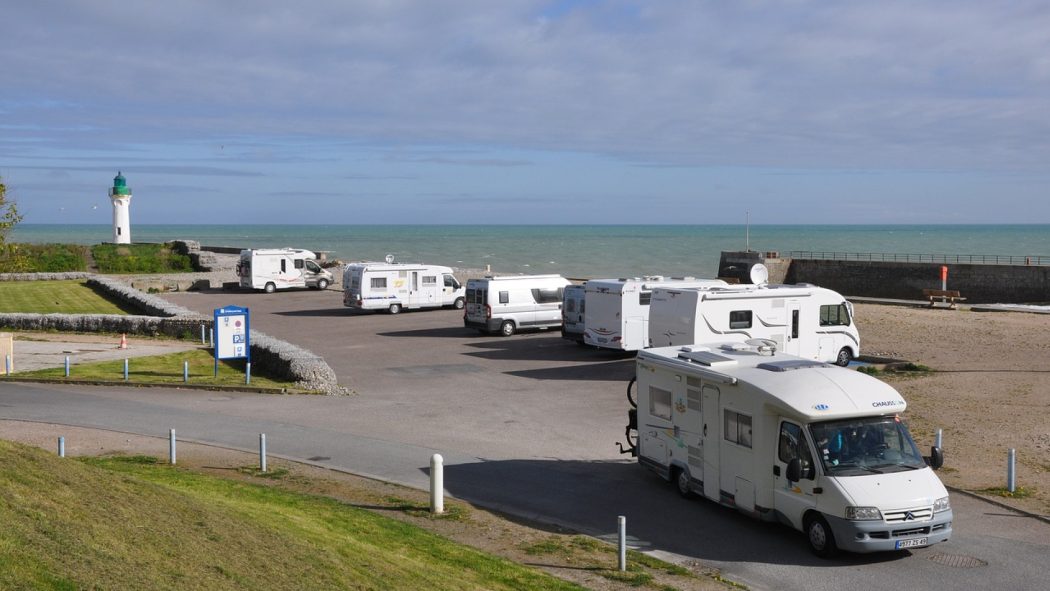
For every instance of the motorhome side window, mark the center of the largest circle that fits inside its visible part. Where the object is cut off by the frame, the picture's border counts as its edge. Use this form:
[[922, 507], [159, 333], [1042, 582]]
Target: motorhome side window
[[660, 402], [430, 280], [284, 266], [504, 297], [298, 263], [792, 445], [644, 297], [379, 283], [737, 428], [832, 315], [740, 319], [547, 296]]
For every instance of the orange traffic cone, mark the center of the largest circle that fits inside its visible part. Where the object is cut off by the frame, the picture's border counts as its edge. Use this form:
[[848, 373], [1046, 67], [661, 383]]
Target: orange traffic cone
[[123, 341]]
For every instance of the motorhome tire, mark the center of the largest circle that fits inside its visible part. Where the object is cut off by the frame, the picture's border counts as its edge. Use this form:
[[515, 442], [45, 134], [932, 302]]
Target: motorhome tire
[[395, 308], [458, 304], [844, 357], [681, 480], [322, 284], [507, 328], [821, 538], [270, 288]]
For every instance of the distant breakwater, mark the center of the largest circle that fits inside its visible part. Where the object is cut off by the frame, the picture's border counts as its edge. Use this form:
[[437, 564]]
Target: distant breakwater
[[1014, 280]]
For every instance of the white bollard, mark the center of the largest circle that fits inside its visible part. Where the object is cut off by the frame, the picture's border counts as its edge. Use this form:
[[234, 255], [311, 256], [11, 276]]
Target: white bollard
[[621, 529], [61, 447], [125, 370], [7, 363], [171, 447], [437, 485], [262, 452], [939, 440], [67, 366], [186, 371], [1011, 472], [248, 372], [204, 340]]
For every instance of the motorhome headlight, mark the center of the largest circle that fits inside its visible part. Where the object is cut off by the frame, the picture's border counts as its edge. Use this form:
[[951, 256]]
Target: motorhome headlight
[[941, 504], [863, 513]]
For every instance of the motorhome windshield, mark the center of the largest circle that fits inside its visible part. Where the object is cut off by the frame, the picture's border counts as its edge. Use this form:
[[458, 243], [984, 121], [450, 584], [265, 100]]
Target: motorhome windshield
[[867, 445]]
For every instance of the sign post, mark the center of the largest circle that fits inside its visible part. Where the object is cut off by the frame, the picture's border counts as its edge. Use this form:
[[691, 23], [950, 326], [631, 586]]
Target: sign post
[[232, 338]]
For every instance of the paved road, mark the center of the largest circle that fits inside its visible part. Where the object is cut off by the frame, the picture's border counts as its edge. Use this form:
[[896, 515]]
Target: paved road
[[526, 424]]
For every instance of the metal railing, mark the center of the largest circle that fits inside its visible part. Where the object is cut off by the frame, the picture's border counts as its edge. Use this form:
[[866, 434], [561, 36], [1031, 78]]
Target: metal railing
[[965, 259]]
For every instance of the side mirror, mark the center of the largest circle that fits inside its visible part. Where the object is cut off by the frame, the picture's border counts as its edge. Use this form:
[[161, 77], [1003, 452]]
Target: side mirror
[[794, 470], [936, 459]]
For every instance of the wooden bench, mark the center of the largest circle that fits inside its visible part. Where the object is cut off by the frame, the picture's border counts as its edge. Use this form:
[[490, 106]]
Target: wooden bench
[[943, 296]]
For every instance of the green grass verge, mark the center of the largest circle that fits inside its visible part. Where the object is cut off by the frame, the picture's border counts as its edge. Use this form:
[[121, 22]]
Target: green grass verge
[[139, 258], [49, 297], [165, 370], [113, 523]]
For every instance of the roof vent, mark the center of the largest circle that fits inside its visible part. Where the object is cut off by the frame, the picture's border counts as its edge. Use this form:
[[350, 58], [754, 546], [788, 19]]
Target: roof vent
[[763, 346], [707, 358]]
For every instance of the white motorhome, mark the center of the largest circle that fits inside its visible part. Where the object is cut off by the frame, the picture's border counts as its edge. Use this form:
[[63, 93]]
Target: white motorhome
[[507, 304], [617, 314], [270, 269], [781, 438], [573, 307], [396, 286], [804, 320]]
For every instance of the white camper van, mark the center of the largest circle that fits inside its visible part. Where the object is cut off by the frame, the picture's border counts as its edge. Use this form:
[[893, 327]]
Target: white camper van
[[617, 314], [781, 438], [271, 269], [804, 320], [573, 307], [396, 286], [511, 303]]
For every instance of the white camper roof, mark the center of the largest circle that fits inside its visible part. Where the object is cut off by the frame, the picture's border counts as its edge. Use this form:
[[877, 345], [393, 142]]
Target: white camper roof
[[629, 284], [814, 390], [280, 252], [520, 278], [380, 266]]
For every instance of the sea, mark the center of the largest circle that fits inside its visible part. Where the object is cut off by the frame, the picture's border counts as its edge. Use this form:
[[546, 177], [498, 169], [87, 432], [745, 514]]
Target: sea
[[576, 251]]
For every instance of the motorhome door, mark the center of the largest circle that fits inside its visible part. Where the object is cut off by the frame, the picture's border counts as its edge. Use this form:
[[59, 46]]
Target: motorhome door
[[793, 499], [710, 432], [792, 338]]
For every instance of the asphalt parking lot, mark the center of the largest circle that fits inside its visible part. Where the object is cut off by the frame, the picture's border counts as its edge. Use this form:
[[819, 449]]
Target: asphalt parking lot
[[421, 377]]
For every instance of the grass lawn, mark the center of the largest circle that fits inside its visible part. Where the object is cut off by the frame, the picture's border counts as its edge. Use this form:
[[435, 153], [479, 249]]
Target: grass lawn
[[165, 369], [139, 258], [48, 297], [132, 523]]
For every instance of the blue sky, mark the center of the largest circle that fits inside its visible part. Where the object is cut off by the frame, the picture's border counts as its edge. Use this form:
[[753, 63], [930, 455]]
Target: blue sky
[[518, 111]]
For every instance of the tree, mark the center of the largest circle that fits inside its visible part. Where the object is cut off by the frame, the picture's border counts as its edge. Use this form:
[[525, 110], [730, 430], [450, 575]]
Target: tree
[[8, 214]]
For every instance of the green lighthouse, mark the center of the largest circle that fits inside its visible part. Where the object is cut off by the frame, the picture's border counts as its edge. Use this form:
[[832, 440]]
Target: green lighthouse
[[120, 194]]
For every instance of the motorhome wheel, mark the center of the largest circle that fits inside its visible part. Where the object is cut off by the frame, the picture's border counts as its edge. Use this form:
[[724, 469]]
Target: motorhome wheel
[[845, 356], [395, 308], [322, 284], [821, 539], [507, 328], [270, 288], [458, 304], [682, 482]]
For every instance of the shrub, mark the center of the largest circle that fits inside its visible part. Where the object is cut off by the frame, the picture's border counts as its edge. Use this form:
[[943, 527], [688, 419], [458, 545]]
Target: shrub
[[140, 258]]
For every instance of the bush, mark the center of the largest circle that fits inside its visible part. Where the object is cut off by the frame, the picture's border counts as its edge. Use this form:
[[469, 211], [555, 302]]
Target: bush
[[139, 258], [42, 258]]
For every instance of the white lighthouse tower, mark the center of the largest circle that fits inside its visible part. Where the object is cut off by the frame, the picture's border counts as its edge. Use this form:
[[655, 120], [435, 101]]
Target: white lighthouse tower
[[120, 194]]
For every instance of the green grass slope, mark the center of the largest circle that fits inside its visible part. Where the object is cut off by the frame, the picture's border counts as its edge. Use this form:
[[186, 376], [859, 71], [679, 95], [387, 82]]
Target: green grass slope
[[50, 297]]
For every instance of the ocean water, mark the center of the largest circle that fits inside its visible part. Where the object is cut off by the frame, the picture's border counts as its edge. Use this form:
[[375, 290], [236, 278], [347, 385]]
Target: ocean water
[[582, 251]]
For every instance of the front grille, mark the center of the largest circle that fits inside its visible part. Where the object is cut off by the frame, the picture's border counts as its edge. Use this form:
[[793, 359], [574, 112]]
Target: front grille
[[915, 531], [909, 515]]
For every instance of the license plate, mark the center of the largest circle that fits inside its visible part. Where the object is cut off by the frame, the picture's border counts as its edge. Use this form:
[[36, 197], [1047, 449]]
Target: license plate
[[916, 543]]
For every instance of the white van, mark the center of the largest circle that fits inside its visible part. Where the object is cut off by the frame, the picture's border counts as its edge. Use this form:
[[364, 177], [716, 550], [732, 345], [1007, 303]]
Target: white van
[[781, 438], [514, 302], [572, 311], [396, 286], [618, 309], [804, 320], [271, 269]]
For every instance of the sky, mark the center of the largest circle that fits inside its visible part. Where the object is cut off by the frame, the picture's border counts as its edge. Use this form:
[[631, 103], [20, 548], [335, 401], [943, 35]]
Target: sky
[[530, 112]]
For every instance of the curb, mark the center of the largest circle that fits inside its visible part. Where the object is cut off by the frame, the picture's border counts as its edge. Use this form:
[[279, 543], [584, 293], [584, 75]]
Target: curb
[[997, 503], [175, 386]]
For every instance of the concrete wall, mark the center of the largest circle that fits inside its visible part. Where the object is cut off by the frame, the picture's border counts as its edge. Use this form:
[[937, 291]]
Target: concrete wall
[[979, 284]]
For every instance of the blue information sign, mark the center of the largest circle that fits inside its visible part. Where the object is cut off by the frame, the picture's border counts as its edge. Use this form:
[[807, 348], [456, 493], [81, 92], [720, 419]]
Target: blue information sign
[[232, 336]]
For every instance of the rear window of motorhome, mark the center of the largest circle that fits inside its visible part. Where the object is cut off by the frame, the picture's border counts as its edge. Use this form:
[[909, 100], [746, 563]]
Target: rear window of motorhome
[[832, 315], [475, 296], [570, 306], [737, 428], [547, 296], [660, 402], [740, 319], [379, 283]]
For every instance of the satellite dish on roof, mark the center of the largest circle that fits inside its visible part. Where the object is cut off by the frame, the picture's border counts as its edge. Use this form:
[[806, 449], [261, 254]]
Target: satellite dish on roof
[[759, 274], [389, 259]]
